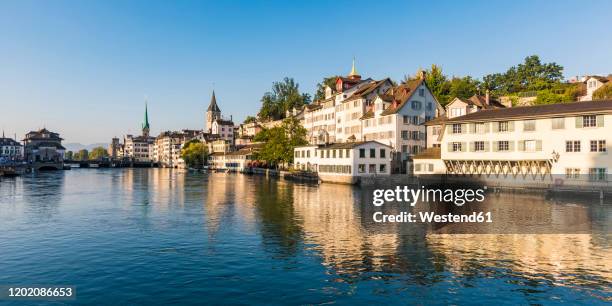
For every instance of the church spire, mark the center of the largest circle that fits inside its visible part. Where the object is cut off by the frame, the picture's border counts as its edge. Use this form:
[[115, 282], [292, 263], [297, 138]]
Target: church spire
[[145, 125], [213, 104], [354, 74]]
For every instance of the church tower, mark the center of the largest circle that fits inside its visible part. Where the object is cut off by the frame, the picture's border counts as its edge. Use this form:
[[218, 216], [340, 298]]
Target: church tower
[[213, 113], [145, 125]]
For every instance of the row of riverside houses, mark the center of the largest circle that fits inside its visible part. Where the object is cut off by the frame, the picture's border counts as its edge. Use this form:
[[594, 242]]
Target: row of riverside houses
[[372, 128], [219, 134], [41, 149]]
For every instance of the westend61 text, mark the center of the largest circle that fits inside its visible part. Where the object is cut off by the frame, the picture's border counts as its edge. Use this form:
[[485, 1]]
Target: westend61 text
[[429, 217]]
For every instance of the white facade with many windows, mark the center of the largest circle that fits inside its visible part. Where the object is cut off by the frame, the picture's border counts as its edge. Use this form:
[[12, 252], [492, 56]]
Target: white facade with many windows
[[564, 144], [345, 162]]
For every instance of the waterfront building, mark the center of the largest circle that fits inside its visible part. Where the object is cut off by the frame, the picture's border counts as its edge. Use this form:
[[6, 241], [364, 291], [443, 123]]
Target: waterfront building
[[115, 148], [137, 147], [593, 83], [562, 144], [10, 149], [43, 149], [364, 110], [166, 149], [345, 162], [234, 160]]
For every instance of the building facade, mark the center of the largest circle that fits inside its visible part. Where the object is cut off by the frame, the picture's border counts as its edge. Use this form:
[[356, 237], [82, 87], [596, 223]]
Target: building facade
[[44, 147], [137, 148], [593, 83], [562, 144], [10, 149], [345, 162]]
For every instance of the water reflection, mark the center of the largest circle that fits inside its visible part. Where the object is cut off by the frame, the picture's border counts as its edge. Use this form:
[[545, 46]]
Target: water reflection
[[229, 227]]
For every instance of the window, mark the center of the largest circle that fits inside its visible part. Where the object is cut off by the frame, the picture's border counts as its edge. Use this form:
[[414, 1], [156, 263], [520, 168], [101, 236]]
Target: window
[[362, 153], [372, 168], [416, 105], [405, 135], [479, 146], [361, 168], [456, 147], [572, 173], [416, 120], [348, 153], [589, 121], [530, 145], [414, 135], [404, 149], [382, 168], [334, 153], [340, 153], [572, 146], [421, 92], [456, 112], [558, 123], [480, 128], [503, 126], [415, 149], [382, 153], [372, 153], [529, 125], [430, 167], [327, 153], [429, 106], [406, 119], [435, 130], [456, 128], [503, 145], [598, 174], [598, 146]]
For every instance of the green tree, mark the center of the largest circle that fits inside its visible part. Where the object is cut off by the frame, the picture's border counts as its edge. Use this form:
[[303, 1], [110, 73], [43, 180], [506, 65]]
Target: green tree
[[438, 83], [280, 141], [285, 95], [329, 81], [463, 87], [83, 154], [604, 92], [250, 119], [195, 154], [69, 155], [531, 75], [98, 153]]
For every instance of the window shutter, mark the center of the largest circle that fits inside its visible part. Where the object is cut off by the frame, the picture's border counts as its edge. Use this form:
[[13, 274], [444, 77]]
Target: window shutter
[[495, 146], [463, 147], [538, 145], [521, 145], [495, 127], [472, 127], [472, 146], [510, 146], [449, 129], [487, 125], [578, 122], [422, 136], [486, 146], [600, 120], [464, 128], [450, 147], [510, 126]]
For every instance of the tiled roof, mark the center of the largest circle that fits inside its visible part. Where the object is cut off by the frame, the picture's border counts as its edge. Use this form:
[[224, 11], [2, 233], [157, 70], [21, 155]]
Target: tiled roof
[[368, 115], [549, 110], [401, 94], [344, 145], [437, 121], [224, 122], [9, 142]]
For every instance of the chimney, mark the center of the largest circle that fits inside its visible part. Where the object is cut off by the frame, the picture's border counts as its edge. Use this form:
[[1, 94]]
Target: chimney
[[487, 97]]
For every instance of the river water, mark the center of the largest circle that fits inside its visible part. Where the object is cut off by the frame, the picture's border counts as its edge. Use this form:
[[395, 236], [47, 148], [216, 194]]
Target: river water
[[157, 236]]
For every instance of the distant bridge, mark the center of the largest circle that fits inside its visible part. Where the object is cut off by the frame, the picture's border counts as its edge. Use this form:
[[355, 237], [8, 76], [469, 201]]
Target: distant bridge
[[108, 163]]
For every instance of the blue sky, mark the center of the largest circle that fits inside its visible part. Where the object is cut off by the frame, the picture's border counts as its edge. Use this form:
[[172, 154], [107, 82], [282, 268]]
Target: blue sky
[[84, 68]]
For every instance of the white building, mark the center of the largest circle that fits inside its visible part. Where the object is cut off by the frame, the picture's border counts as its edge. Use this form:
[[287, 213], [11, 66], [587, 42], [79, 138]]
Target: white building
[[234, 161], [10, 150], [345, 162], [592, 84], [363, 110], [166, 150], [562, 144]]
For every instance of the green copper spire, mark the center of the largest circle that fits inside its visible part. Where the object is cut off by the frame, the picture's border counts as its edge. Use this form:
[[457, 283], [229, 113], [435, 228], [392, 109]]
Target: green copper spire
[[145, 125]]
